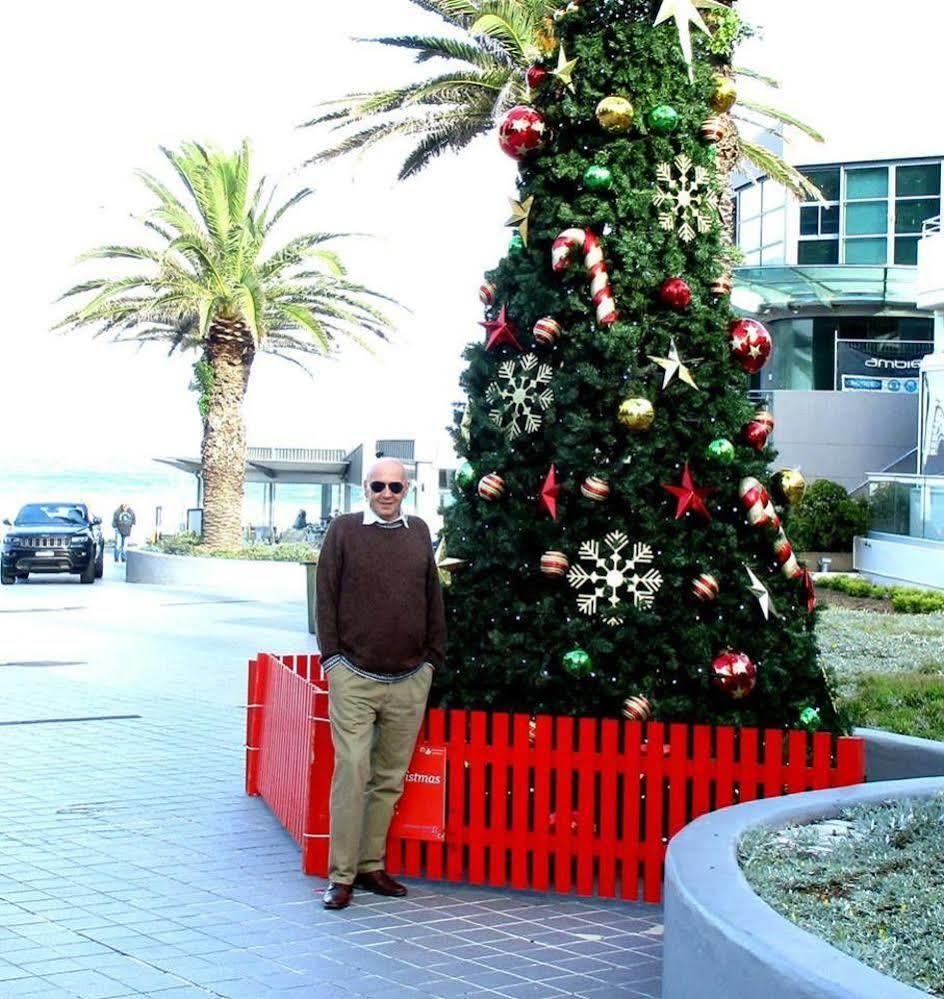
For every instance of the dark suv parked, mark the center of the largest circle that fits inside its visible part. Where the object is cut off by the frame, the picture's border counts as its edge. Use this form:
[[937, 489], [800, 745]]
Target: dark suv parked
[[53, 537]]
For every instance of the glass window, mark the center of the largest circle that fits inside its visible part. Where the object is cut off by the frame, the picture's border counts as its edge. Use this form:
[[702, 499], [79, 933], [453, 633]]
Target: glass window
[[750, 235], [773, 227], [752, 258], [911, 213], [809, 220], [818, 251], [866, 218], [871, 182], [917, 180], [829, 220], [750, 201], [826, 180], [906, 251], [866, 251], [775, 196], [773, 254]]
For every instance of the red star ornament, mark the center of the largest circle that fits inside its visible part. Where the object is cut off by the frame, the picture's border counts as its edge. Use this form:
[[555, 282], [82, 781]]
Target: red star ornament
[[549, 493], [690, 497], [501, 330]]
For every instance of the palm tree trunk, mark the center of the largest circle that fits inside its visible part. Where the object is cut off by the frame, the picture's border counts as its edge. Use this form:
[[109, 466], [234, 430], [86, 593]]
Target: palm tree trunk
[[229, 352]]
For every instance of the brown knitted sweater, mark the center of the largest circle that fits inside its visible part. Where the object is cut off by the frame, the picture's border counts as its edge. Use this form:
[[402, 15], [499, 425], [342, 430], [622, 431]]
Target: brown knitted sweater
[[379, 600]]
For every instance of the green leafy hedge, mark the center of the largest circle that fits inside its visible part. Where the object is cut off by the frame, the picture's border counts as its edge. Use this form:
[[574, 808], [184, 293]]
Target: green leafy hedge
[[188, 543], [826, 519], [903, 599]]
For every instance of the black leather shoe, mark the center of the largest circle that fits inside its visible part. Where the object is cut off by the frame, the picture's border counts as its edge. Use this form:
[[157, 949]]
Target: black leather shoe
[[380, 883], [337, 896]]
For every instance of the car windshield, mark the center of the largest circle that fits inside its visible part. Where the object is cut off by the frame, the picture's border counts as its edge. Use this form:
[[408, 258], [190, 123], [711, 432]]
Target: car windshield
[[50, 514]]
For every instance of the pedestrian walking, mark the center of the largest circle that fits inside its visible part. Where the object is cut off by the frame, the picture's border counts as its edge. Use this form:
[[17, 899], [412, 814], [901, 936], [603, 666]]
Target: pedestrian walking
[[122, 521], [381, 631]]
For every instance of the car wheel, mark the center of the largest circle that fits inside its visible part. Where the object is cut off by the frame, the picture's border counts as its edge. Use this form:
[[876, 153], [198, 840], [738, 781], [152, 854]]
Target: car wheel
[[100, 566], [22, 575], [7, 578], [88, 573]]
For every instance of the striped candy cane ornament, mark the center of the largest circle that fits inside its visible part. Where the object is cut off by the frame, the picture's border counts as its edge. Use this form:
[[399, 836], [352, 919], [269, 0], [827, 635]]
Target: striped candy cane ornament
[[562, 253]]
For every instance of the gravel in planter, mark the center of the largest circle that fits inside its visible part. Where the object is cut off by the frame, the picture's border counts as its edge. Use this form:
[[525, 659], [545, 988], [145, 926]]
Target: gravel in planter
[[870, 882]]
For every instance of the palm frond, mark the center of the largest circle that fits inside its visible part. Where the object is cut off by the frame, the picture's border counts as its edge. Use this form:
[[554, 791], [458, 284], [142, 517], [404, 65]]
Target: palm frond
[[779, 170], [431, 47], [752, 74], [783, 118]]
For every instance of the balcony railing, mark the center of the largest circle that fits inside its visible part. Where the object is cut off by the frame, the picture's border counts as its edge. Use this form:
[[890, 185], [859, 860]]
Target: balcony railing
[[909, 505], [306, 454]]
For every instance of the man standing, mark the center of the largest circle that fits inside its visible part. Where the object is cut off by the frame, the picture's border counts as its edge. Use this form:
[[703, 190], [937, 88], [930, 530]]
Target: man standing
[[381, 631], [122, 521]]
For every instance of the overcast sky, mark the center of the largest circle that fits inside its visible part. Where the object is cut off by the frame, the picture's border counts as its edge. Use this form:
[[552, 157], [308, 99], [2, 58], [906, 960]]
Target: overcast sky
[[92, 89]]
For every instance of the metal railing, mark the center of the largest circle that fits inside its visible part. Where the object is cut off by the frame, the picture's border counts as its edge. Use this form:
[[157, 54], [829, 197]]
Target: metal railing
[[909, 505], [307, 454], [931, 227]]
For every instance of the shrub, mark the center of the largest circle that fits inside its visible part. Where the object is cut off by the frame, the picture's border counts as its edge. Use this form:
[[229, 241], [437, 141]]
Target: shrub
[[904, 600], [826, 519], [188, 543]]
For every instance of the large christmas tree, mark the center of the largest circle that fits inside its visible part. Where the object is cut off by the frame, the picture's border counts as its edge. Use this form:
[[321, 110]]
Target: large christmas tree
[[622, 551]]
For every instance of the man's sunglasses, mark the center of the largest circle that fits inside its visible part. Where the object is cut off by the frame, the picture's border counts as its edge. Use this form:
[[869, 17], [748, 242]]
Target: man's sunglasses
[[395, 487]]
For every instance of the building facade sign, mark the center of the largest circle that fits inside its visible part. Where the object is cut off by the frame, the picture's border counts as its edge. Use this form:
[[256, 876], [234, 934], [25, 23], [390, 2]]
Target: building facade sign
[[879, 366]]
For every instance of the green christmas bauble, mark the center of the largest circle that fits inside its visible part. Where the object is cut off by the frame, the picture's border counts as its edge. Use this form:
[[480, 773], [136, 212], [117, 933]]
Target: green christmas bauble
[[597, 178], [810, 719], [515, 245], [663, 119], [465, 475], [577, 662], [721, 450]]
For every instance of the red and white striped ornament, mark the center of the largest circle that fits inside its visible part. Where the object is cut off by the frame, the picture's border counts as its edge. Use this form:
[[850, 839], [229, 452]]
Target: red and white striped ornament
[[595, 489], [705, 587], [487, 293], [491, 487], [637, 708], [721, 286], [554, 564], [547, 331], [562, 253], [712, 129], [783, 553], [756, 501]]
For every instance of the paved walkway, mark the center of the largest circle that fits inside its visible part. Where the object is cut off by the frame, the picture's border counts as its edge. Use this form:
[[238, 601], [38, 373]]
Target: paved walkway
[[132, 863]]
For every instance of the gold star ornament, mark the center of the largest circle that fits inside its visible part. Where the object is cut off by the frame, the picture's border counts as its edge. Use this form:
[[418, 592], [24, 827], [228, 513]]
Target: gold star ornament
[[446, 566], [673, 365], [520, 216], [564, 71], [685, 14]]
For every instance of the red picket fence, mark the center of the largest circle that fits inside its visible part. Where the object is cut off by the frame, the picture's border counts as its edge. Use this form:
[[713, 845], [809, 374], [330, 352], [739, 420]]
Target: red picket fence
[[550, 804]]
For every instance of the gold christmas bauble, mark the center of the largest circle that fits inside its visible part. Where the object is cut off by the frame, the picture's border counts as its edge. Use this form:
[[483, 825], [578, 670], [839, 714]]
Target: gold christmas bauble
[[788, 486], [616, 113], [636, 414], [724, 94]]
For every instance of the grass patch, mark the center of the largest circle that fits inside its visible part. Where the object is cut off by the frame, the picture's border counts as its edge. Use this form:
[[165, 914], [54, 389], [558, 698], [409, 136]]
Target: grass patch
[[905, 600], [907, 703], [189, 544], [853, 883]]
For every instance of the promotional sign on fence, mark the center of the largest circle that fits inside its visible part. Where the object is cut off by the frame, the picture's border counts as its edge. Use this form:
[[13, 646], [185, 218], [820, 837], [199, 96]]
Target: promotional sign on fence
[[421, 811], [879, 366]]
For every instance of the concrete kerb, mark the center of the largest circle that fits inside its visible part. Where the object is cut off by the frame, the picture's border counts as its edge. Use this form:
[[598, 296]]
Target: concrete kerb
[[723, 939], [270, 581], [889, 756]]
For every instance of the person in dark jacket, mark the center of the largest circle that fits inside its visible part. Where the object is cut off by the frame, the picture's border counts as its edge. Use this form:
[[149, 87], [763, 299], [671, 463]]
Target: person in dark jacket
[[301, 521], [381, 632], [122, 521]]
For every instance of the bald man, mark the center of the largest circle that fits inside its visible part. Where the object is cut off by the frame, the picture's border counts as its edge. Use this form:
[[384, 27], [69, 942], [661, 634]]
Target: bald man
[[382, 632]]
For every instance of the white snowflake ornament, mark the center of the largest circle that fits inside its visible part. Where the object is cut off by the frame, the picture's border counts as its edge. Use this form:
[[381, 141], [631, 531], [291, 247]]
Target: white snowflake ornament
[[689, 204], [614, 577], [520, 395]]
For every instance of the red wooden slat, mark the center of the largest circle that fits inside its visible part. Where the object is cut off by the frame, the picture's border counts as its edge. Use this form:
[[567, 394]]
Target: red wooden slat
[[678, 780], [608, 843], [653, 848], [562, 835], [541, 830], [822, 754], [724, 767], [799, 777], [498, 824], [701, 771], [521, 795], [750, 769], [476, 821], [850, 762], [435, 735], [587, 832], [457, 776], [630, 846], [773, 763]]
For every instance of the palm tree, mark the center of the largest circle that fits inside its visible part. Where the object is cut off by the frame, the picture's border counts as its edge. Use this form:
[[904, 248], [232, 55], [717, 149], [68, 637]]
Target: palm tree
[[213, 284], [497, 40]]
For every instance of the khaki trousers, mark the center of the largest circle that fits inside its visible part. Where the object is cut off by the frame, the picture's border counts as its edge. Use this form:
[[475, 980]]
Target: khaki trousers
[[373, 727]]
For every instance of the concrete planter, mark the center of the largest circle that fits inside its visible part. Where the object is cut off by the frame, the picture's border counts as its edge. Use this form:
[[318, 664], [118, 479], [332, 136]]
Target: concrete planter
[[241, 578], [889, 756], [721, 939], [838, 561]]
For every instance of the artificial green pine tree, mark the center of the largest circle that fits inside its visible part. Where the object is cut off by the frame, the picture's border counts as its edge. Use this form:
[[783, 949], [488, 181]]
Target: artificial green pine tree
[[516, 632]]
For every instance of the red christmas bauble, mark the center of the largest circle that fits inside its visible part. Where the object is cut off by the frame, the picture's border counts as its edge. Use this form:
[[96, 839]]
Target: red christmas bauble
[[637, 708], [491, 487], [751, 344], [734, 673], [554, 564], [766, 417], [755, 433], [675, 293], [535, 76], [705, 587], [595, 489], [546, 331], [522, 132]]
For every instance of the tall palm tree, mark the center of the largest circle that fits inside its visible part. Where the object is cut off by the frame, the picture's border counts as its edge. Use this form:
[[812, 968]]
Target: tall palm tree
[[496, 41], [212, 283]]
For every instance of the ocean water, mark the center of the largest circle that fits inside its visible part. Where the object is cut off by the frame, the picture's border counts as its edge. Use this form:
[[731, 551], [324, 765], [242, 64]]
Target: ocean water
[[159, 495]]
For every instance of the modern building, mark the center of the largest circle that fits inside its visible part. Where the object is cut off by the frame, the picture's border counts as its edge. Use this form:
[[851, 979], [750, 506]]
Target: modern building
[[835, 282]]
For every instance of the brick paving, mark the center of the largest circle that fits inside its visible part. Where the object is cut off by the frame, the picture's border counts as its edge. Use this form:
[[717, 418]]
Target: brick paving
[[132, 863]]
